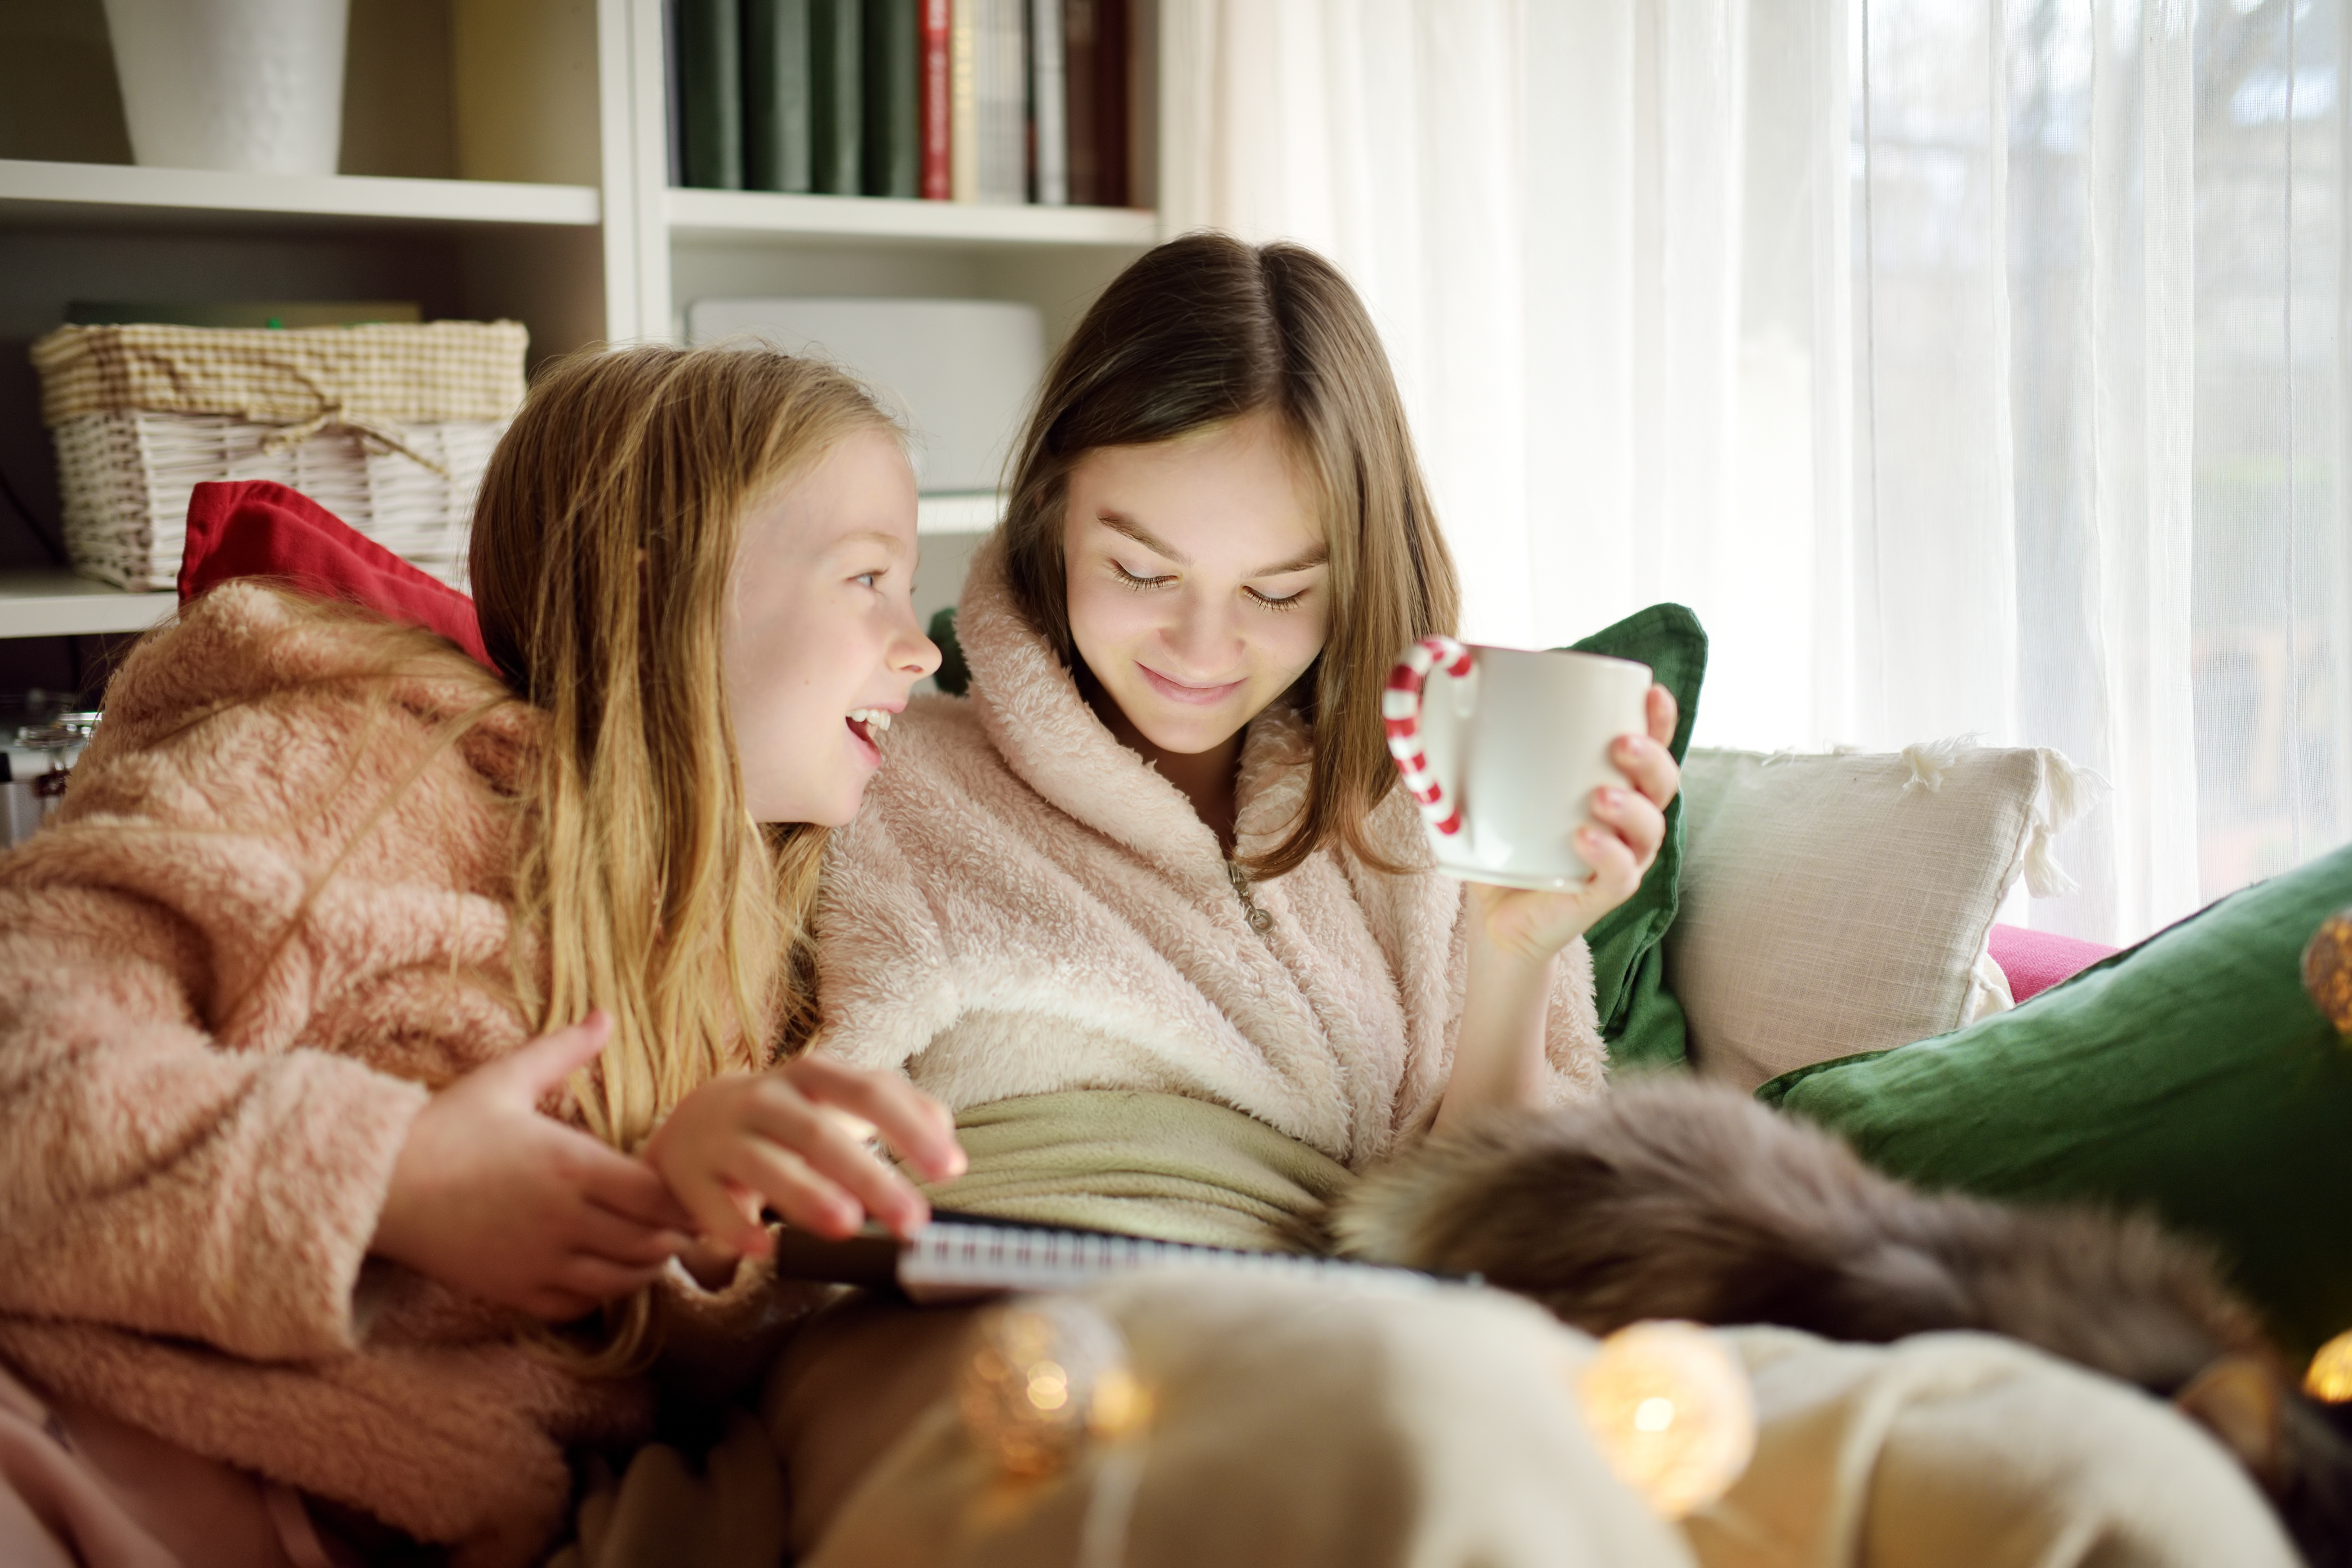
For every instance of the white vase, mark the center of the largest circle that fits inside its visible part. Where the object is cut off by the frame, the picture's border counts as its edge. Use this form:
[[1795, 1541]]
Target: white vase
[[251, 85]]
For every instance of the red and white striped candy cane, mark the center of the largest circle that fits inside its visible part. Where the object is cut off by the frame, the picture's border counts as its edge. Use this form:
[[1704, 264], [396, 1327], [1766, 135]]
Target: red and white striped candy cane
[[1401, 714]]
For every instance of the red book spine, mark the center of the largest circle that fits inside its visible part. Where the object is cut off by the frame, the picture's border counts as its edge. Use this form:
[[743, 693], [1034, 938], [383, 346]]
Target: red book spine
[[939, 169]]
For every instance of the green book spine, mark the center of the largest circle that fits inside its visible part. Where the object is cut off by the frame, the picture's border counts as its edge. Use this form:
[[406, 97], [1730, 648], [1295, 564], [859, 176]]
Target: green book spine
[[710, 84], [894, 152], [839, 120], [776, 98]]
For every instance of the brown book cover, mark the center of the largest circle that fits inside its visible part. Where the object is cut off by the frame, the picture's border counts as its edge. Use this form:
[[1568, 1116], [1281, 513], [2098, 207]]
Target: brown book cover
[[1096, 38]]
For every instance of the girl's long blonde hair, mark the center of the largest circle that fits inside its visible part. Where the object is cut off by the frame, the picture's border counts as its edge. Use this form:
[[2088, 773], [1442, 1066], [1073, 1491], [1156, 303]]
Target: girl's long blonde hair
[[604, 548]]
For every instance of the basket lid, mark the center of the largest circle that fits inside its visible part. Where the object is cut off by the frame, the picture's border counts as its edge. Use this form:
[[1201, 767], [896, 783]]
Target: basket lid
[[382, 373]]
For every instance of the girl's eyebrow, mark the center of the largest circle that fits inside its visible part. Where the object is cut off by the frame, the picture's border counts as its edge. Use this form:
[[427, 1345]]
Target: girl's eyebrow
[[1130, 529], [1318, 555]]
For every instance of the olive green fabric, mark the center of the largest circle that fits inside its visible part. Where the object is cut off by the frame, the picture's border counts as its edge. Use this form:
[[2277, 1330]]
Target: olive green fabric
[[1165, 1166], [1639, 1017], [2190, 1075]]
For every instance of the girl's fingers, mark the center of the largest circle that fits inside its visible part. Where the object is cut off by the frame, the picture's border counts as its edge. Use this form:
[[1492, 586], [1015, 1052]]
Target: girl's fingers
[[812, 1133], [603, 1234], [1615, 873], [1648, 766], [1663, 715], [919, 1127], [718, 1216], [1639, 823], [803, 1198], [629, 1188]]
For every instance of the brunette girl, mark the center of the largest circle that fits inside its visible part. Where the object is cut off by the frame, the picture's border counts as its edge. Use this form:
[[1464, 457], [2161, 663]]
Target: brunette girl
[[1160, 850], [363, 1008]]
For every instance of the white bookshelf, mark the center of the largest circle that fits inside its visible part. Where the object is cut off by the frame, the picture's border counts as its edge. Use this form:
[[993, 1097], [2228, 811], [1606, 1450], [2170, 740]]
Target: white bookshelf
[[53, 603], [549, 203], [59, 604], [121, 195], [753, 216]]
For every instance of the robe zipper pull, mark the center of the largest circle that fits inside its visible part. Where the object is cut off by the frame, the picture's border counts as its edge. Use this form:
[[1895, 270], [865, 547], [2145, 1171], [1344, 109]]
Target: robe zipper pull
[[1260, 921]]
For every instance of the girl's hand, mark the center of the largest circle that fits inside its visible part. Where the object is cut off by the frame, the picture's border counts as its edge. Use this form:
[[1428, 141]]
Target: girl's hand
[[1619, 844], [781, 1139], [491, 1197]]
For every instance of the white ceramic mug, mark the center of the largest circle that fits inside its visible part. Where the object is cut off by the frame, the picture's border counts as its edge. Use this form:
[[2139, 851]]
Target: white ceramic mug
[[1503, 747]]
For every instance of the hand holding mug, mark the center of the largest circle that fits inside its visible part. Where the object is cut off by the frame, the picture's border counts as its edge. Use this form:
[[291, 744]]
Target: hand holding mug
[[1543, 779], [1620, 844]]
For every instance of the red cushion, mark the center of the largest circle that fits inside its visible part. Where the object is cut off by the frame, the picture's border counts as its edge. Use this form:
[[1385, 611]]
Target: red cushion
[[253, 528], [2036, 960]]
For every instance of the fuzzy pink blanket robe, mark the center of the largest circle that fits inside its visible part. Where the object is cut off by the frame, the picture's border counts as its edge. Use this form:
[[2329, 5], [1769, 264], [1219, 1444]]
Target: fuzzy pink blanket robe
[[201, 1099], [1025, 906]]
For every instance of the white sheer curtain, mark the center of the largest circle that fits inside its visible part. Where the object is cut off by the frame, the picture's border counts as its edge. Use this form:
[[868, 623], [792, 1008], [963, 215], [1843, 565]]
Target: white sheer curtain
[[1934, 350]]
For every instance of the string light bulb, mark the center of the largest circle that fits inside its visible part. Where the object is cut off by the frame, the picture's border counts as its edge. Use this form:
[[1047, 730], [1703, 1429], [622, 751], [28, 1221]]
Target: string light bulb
[[2329, 1380], [1672, 1412], [1044, 1375], [2327, 970]]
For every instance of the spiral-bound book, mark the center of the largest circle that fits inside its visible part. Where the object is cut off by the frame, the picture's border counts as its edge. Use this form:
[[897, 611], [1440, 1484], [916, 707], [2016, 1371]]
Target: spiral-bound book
[[959, 1256]]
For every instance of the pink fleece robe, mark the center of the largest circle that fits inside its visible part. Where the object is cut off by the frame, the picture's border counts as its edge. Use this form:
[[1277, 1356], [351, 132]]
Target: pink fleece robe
[[201, 1099], [1024, 906]]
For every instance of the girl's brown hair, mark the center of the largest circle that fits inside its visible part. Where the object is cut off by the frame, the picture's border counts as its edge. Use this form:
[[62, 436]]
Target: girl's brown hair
[[1205, 330], [604, 546]]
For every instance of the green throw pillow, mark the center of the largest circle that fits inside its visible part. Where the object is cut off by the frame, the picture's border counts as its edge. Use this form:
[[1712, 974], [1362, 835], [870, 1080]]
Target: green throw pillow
[[2190, 1075], [1639, 1017]]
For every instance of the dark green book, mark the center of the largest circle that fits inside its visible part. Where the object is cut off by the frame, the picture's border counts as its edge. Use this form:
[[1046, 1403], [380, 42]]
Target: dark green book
[[837, 96], [711, 90], [777, 144], [894, 130]]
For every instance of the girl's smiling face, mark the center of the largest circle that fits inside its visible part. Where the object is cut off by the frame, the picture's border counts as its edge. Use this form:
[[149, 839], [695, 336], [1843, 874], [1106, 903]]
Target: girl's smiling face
[[1198, 582], [821, 645]]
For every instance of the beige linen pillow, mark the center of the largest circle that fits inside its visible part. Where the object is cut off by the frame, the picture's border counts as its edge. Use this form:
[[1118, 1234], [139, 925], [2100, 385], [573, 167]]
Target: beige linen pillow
[[1831, 904]]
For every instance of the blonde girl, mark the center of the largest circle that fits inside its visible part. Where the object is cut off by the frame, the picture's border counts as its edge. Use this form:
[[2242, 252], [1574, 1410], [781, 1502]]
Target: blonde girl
[[366, 1007]]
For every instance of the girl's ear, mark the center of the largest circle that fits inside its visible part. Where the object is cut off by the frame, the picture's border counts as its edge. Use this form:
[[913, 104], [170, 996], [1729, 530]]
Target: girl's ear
[[2238, 1400]]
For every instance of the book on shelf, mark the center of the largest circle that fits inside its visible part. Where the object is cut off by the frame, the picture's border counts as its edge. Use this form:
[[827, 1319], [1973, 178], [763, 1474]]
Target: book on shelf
[[777, 129], [1096, 56], [957, 1257], [1049, 142], [970, 101], [963, 100], [710, 91], [893, 60], [937, 105], [1001, 101], [837, 95], [674, 93]]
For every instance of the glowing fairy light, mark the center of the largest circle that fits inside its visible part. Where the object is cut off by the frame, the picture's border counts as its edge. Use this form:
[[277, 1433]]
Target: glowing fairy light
[[1044, 1375], [2330, 1377], [1672, 1412]]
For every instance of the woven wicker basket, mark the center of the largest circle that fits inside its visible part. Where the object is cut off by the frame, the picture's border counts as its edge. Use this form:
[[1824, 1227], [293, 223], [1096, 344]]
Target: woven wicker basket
[[332, 414]]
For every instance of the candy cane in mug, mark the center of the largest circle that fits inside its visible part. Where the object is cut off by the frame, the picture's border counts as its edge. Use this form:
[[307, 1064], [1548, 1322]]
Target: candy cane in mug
[[1401, 714]]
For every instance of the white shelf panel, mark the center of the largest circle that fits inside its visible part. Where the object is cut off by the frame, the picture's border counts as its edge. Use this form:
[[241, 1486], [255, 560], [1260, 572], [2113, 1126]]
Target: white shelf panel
[[973, 512], [123, 192], [742, 215], [59, 604]]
